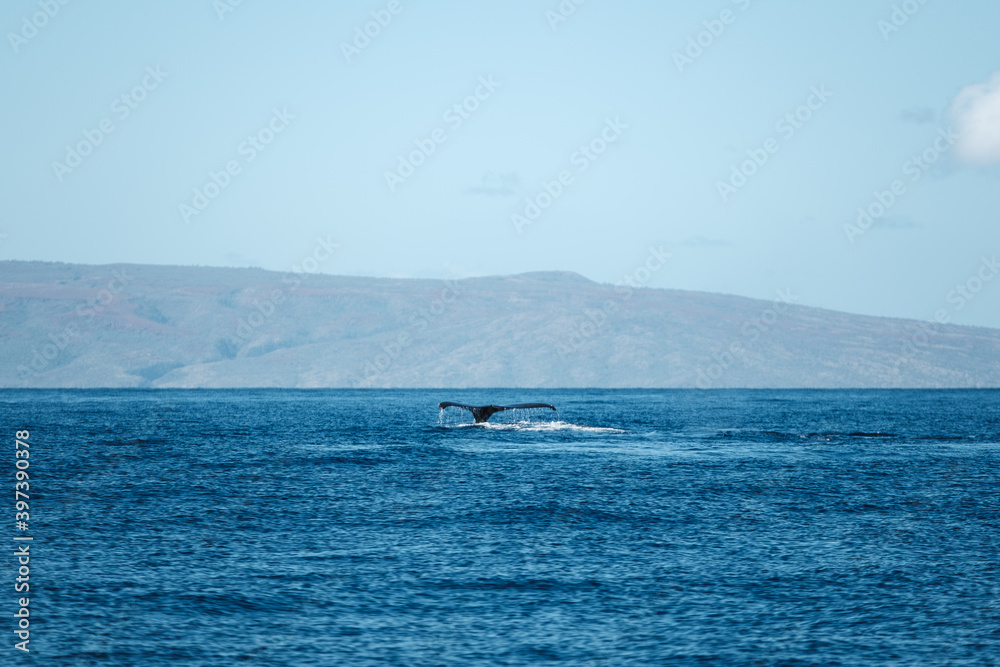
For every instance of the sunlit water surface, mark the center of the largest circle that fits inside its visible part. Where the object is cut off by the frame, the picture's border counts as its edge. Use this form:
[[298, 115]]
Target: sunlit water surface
[[630, 528]]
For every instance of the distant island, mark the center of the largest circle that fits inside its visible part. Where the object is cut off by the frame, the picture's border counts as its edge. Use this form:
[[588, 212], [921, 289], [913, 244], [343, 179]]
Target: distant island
[[129, 325]]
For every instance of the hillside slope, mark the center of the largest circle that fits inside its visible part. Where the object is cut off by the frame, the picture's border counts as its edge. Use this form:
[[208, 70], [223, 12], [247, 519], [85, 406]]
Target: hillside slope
[[65, 325]]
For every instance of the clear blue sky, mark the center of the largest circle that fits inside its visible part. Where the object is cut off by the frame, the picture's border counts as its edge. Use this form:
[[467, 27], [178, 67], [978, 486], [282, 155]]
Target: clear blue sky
[[879, 96]]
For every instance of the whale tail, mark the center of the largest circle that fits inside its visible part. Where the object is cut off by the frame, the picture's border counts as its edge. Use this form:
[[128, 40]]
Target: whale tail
[[482, 413]]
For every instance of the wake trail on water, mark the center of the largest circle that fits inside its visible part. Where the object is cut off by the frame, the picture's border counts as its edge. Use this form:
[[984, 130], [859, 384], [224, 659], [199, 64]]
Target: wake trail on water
[[537, 426], [522, 419]]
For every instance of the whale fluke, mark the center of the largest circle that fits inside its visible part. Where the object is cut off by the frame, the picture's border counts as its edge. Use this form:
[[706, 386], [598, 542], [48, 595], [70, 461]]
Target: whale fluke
[[482, 413]]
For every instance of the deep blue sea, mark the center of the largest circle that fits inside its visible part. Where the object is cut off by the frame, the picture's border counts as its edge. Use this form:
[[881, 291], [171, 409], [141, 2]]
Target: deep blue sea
[[342, 527]]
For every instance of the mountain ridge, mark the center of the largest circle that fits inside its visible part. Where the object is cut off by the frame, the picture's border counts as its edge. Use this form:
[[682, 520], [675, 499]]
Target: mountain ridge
[[135, 325]]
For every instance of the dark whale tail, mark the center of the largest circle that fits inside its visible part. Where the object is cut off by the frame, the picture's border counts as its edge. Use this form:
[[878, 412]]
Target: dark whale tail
[[483, 413]]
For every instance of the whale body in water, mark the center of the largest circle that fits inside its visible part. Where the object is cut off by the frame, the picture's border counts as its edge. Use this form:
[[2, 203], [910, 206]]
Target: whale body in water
[[482, 413]]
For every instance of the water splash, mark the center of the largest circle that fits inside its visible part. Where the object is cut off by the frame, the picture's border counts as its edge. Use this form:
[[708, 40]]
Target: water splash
[[551, 426], [540, 426]]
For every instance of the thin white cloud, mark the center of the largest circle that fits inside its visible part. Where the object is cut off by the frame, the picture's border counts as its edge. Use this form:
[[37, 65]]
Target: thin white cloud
[[918, 115], [701, 241], [976, 111], [895, 222], [494, 184]]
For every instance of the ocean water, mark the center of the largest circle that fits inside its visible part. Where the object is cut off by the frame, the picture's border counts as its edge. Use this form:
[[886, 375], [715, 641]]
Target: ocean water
[[275, 527]]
